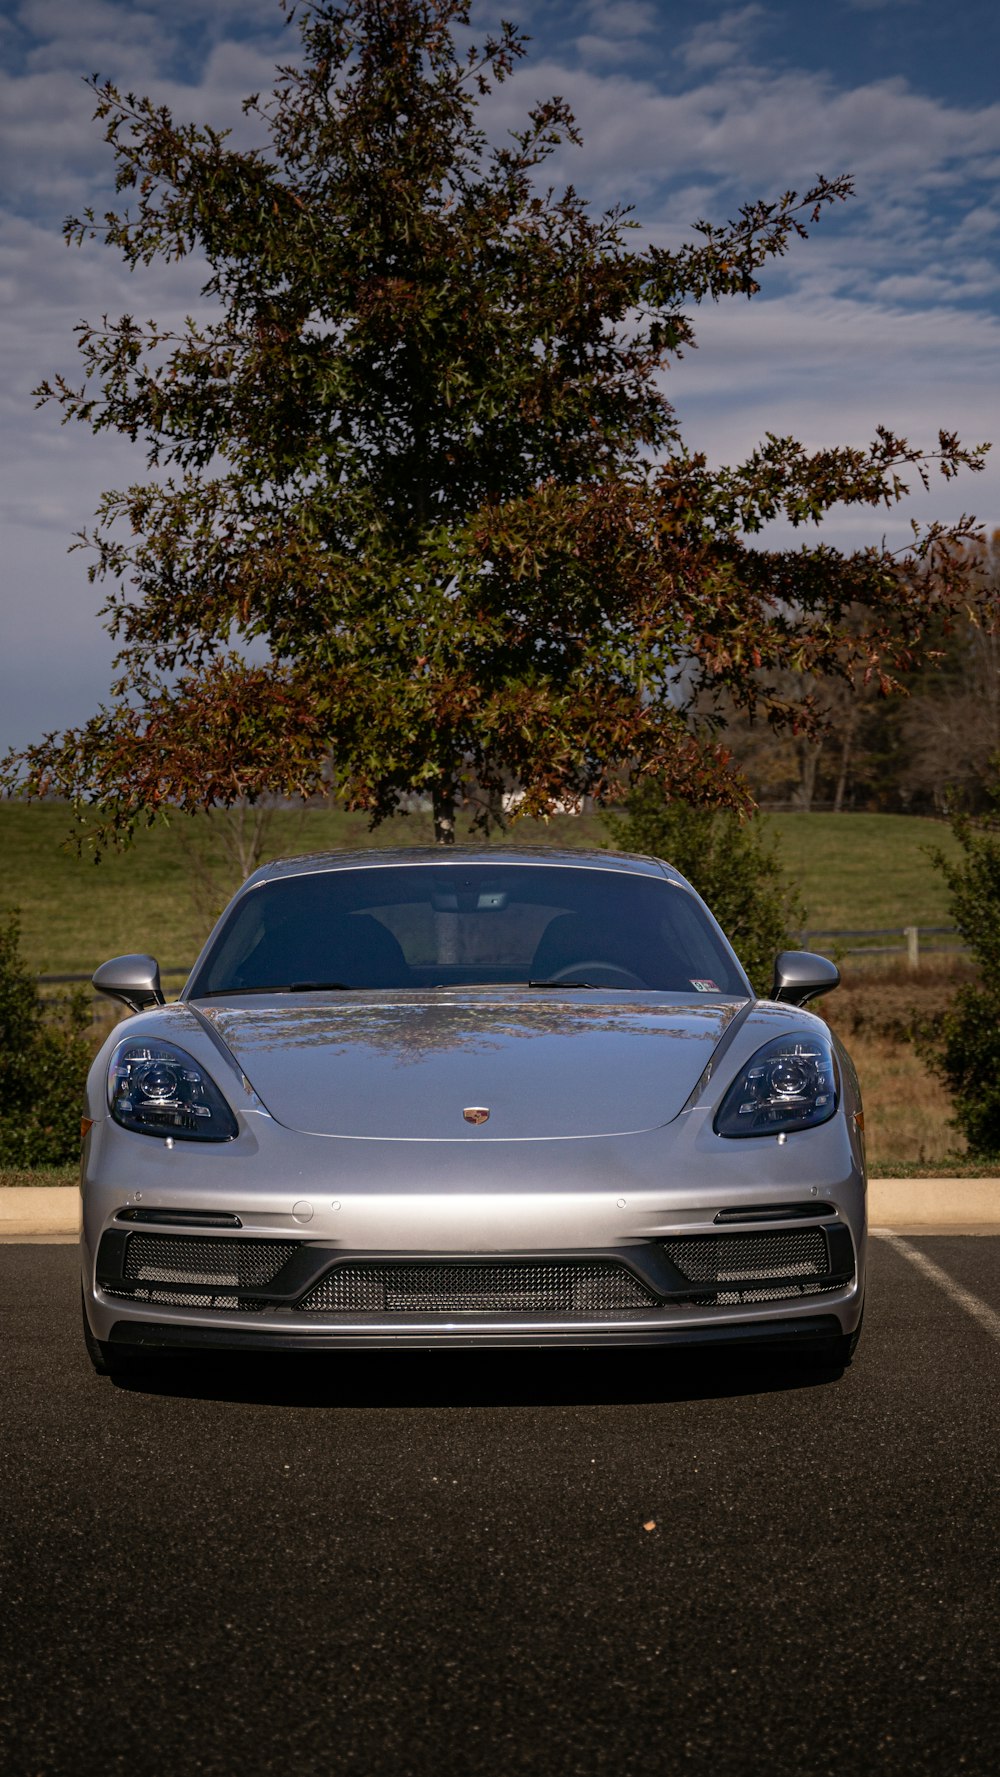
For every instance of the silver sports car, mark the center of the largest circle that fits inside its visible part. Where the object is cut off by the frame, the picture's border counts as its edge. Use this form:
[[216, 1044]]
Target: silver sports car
[[510, 1098]]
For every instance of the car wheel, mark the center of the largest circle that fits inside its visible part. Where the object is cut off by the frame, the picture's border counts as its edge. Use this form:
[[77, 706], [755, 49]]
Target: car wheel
[[108, 1360], [838, 1351]]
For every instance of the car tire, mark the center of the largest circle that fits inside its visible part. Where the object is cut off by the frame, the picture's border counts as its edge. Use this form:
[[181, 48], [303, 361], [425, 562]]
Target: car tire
[[837, 1353], [107, 1359]]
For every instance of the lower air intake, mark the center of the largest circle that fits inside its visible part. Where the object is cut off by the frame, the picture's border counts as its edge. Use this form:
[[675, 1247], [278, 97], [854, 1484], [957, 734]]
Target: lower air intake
[[196, 1272], [169, 1258], [553, 1287], [767, 1267]]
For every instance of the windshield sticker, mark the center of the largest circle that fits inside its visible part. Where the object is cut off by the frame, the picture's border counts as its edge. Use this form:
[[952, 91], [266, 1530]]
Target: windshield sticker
[[704, 986]]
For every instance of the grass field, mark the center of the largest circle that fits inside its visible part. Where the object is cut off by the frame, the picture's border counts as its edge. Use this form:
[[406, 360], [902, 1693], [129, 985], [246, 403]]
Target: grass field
[[853, 871], [861, 871]]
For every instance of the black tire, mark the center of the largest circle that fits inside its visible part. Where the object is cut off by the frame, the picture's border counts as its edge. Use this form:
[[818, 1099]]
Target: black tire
[[107, 1359], [838, 1352]]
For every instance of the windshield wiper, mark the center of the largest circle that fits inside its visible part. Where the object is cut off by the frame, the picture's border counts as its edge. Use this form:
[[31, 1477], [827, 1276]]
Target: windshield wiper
[[461, 986], [591, 984], [225, 993], [505, 986], [318, 987]]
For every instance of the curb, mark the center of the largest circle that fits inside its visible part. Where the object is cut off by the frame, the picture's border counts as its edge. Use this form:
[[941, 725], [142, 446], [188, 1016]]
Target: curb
[[32, 1212], [909, 1204], [28, 1211]]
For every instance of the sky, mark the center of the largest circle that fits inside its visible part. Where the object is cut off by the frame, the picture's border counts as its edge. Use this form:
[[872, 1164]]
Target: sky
[[889, 313]]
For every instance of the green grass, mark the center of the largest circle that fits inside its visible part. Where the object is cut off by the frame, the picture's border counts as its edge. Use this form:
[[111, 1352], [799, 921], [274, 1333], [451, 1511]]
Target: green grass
[[854, 871], [861, 871], [952, 1166], [43, 1175]]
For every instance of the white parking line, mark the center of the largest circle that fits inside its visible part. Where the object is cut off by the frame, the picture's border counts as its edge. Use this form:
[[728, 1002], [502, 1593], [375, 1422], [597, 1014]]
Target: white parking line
[[980, 1311]]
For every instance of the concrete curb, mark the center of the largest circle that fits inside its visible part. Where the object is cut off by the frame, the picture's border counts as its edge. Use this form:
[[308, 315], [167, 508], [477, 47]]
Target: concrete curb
[[33, 1212], [909, 1204]]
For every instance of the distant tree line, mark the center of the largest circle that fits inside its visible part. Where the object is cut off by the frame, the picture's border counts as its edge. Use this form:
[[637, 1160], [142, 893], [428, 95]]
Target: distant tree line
[[921, 753]]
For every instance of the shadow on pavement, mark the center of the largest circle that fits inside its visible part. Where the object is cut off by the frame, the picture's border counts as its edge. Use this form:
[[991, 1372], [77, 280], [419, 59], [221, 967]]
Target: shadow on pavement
[[373, 1380]]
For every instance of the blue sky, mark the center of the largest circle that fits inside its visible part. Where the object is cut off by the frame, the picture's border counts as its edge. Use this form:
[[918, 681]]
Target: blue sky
[[889, 313]]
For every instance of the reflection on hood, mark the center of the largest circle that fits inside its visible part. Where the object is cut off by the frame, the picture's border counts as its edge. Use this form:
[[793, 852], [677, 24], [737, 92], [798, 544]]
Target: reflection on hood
[[404, 1067]]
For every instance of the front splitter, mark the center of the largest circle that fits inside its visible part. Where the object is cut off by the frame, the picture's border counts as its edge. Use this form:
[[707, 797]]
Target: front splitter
[[161, 1336]]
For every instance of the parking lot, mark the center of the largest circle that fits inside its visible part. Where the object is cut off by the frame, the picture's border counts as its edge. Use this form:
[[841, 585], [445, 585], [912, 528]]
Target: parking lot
[[459, 1563]]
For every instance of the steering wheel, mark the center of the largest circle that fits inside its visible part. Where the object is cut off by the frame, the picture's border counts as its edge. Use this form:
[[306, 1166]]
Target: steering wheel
[[593, 964]]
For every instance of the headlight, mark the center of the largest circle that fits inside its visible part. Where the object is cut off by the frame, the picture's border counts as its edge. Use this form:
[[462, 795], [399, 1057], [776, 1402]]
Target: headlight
[[156, 1089], [790, 1084]]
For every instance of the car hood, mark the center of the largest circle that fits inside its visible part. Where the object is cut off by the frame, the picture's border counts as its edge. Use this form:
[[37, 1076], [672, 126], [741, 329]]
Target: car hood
[[407, 1069]]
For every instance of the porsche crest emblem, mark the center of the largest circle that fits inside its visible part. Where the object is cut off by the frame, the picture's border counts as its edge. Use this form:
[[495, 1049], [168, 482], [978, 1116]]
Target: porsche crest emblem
[[476, 1113]]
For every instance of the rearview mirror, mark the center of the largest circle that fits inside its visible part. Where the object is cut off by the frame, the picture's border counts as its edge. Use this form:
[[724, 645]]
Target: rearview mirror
[[799, 975], [134, 979]]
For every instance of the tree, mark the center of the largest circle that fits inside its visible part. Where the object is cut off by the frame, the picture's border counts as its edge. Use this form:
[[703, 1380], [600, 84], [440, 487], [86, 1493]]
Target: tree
[[226, 845], [950, 726], [851, 755], [421, 452], [43, 1065], [732, 863], [966, 1053]]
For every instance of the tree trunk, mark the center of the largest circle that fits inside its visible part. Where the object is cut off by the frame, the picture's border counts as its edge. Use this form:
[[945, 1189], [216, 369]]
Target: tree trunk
[[846, 749], [444, 814], [809, 752]]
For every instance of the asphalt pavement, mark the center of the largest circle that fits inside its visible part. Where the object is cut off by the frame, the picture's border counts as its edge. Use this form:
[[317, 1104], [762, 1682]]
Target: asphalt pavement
[[456, 1564]]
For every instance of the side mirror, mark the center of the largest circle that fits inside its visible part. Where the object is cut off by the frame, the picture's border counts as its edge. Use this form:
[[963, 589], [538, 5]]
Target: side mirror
[[799, 976], [134, 979]]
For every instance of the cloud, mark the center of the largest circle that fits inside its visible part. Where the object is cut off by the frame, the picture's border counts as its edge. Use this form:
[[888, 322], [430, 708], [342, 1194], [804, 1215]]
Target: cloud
[[829, 372], [751, 127], [721, 40], [120, 41], [622, 18], [618, 32], [921, 227], [48, 133]]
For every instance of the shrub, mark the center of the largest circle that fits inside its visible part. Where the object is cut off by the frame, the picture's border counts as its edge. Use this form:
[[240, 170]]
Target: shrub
[[43, 1065], [966, 1053], [732, 863]]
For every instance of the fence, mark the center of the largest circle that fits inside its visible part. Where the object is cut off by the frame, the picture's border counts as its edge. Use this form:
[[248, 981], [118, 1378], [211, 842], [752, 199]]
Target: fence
[[49, 985], [912, 947]]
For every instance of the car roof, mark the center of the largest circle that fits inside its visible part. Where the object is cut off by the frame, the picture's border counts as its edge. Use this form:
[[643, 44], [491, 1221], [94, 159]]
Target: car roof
[[440, 857]]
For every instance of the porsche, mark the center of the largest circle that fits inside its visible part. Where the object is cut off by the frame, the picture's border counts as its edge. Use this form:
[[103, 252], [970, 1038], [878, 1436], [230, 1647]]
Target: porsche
[[494, 1097]]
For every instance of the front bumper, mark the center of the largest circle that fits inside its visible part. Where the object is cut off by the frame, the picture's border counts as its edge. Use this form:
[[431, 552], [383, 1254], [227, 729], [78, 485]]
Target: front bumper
[[171, 1288], [330, 1203]]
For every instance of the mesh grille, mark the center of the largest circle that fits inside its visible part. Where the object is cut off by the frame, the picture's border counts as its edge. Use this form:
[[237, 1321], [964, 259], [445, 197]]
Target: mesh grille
[[743, 1260], [532, 1287], [236, 1264], [184, 1299], [732, 1298], [739, 1258]]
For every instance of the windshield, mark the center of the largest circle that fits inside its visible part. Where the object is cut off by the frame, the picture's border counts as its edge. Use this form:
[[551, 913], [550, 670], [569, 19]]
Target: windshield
[[426, 926]]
